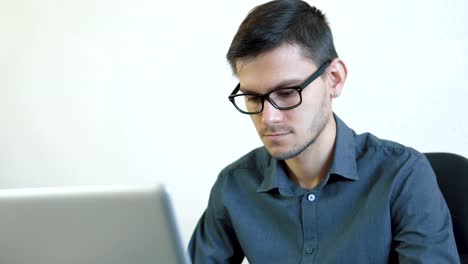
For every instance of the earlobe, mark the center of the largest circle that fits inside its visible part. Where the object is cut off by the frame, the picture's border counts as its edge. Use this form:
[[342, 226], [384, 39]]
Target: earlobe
[[338, 73]]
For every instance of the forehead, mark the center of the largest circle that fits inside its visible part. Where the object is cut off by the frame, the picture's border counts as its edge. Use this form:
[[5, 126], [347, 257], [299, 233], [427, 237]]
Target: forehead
[[286, 62]]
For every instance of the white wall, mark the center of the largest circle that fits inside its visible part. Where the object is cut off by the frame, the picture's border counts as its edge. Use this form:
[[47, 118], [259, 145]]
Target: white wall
[[135, 91]]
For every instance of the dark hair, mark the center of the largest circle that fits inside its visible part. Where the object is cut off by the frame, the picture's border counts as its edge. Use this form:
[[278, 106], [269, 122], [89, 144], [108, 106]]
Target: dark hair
[[277, 22]]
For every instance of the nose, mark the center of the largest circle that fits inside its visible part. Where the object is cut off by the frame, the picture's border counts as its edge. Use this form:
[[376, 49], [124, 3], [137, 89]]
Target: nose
[[270, 115]]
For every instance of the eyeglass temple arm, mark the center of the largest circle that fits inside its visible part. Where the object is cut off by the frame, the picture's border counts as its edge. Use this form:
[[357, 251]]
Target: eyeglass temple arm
[[234, 92], [304, 85], [316, 74]]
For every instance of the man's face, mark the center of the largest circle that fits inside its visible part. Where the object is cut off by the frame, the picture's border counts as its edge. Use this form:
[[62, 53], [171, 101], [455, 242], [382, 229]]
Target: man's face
[[286, 133]]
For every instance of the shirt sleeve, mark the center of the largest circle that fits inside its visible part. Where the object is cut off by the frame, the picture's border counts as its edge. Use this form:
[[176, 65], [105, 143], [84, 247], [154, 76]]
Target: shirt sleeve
[[214, 240], [421, 221]]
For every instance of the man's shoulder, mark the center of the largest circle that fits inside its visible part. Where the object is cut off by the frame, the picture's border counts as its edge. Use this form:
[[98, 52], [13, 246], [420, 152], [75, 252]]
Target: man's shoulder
[[385, 152], [369, 142], [246, 173], [255, 159], [369, 146]]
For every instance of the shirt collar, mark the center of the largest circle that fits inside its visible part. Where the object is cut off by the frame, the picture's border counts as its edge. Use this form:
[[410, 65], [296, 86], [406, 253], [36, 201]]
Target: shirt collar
[[275, 177], [269, 175], [344, 164]]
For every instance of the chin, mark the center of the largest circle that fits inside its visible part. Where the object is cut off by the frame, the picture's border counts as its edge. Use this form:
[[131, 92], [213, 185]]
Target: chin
[[282, 154]]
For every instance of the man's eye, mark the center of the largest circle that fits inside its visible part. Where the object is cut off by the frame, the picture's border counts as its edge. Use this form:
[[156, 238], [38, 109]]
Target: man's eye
[[251, 98], [285, 93]]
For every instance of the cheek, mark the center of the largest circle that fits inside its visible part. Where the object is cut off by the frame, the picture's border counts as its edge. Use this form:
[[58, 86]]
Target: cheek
[[303, 112], [256, 120], [303, 117], [312, 104], [315, 94]]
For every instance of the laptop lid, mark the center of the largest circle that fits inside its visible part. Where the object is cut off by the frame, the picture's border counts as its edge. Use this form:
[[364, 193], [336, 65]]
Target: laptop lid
[[93, 225]]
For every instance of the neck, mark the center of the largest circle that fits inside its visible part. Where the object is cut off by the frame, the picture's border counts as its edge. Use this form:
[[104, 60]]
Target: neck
[[313, 164]]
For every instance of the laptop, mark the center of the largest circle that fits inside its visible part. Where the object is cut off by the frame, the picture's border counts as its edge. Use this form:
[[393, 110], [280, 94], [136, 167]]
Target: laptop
[[92, 225]]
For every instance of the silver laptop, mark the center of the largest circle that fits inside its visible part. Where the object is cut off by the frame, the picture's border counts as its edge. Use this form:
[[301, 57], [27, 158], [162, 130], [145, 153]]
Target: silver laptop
[[92, 225]]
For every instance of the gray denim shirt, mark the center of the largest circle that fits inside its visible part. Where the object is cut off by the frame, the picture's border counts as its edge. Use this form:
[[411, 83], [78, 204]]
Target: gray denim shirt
[[380, 203]]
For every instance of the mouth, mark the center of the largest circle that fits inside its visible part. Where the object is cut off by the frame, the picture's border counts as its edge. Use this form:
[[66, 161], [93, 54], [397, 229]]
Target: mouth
[[275, 135]]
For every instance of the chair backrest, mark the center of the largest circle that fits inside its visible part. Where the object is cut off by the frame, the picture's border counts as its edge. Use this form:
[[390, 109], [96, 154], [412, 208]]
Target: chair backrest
[[452, 175]]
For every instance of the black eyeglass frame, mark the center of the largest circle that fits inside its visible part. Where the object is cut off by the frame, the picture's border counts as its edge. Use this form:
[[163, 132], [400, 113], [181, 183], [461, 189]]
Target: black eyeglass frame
[[266, 96]]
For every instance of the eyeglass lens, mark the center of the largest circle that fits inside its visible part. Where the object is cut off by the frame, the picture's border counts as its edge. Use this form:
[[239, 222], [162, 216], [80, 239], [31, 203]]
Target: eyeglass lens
[[282, 99]]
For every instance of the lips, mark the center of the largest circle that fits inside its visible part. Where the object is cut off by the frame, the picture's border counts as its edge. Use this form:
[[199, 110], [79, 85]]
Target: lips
[[275, 137], [275, 131], [276, 134]]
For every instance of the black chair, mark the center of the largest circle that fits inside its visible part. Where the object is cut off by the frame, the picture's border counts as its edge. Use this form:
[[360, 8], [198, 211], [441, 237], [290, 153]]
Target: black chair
[[452, 175]]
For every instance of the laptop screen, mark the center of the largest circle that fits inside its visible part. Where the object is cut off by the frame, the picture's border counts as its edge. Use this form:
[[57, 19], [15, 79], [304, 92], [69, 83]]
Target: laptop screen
[[89, 224]]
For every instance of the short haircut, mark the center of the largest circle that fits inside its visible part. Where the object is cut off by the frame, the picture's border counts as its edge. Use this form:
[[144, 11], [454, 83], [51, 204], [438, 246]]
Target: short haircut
[[278, 22]]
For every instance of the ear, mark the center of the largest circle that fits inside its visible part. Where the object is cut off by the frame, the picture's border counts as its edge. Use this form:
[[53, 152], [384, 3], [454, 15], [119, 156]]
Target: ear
[[336, 75]]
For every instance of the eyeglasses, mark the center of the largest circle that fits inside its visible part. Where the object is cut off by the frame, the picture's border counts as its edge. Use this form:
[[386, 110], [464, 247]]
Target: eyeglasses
[[282, 99]]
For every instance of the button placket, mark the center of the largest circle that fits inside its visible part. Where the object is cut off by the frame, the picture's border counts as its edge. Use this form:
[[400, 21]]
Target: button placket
[[311, 197], [309, 218]]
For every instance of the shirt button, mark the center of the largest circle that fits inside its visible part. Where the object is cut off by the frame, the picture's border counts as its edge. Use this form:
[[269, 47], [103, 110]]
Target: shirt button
[[309, 250], [311, 197]]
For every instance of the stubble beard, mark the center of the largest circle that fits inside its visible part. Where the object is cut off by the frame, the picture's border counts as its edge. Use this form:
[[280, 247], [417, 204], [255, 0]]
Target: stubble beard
[[315, 130]]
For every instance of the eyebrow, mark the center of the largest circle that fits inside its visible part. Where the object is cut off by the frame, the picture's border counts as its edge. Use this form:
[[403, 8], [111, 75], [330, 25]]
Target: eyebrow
[[282, 84]]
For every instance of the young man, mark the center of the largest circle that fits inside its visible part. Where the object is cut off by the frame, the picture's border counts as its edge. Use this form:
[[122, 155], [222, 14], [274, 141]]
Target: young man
[[316, 192]]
